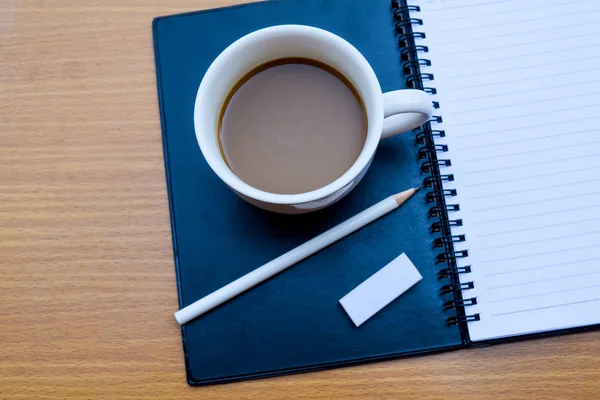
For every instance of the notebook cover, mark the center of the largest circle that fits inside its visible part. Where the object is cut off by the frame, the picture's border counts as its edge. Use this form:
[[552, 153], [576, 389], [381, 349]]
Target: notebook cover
[[293, 322]]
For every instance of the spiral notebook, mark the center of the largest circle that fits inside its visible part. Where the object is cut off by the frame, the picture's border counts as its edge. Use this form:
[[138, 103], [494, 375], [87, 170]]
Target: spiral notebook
[[504, 233], [518, 90]]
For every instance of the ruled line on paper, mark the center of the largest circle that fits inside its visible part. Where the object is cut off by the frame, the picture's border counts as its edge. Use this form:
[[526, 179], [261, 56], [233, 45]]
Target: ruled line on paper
[[470, 5], [544, 308], [468, 28], [520, 128], [531, 151], [535, 215], [527, 203], [488, 183], [543, 294], [495, 59], [538, 240], [530, 139], [510, 11], [533, 189], [528, 79], [543, 280], [527, 165], [542, 267], [525, 103], [537, 227], [540, 254], [519, 33], [521, 68], [595, 105], [491, 96]]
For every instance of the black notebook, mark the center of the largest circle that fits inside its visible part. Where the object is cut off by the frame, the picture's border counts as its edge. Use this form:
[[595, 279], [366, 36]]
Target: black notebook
[[504, 231]]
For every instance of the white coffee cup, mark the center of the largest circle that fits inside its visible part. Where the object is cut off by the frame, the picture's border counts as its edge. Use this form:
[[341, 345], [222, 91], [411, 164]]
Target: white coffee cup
[[387, 113]]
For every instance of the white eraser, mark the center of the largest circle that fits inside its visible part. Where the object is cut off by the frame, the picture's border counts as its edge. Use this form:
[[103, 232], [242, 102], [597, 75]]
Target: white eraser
[[381, 289]]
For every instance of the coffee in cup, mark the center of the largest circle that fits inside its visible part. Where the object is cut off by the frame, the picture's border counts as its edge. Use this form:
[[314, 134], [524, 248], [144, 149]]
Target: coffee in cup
[[292, 125]]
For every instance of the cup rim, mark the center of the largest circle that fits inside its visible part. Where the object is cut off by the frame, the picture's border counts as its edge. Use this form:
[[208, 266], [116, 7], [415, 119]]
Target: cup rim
[[374, 112]]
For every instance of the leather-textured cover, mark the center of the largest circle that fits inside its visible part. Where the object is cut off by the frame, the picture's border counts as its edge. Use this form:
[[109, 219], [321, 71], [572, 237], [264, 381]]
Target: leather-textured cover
[[293, 322]]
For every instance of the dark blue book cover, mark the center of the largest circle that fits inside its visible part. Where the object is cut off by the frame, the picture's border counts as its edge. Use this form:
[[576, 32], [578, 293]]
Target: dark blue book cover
[[293, 322]]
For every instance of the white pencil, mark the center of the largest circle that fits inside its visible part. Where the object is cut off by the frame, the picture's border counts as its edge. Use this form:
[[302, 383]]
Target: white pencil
[[292, 257]]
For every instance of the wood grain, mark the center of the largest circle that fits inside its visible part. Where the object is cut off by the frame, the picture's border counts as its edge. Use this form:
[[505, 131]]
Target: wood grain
[[87, 287]]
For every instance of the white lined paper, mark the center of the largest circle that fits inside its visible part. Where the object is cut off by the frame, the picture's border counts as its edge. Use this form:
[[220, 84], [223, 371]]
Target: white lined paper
[[519, 88]]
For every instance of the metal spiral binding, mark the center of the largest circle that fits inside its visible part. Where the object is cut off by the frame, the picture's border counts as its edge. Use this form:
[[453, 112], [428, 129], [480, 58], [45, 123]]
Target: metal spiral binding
[[432, 165]]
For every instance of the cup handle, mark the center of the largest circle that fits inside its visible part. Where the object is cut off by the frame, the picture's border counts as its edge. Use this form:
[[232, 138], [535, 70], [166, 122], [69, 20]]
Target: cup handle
[[405, 110]]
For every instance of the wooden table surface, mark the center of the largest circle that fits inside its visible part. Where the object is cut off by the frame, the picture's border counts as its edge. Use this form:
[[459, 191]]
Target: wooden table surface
[[87, 286]]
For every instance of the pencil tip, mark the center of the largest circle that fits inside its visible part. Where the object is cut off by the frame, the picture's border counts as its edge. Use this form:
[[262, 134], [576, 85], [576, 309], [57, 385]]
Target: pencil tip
[[405, 195], [417, 188]]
